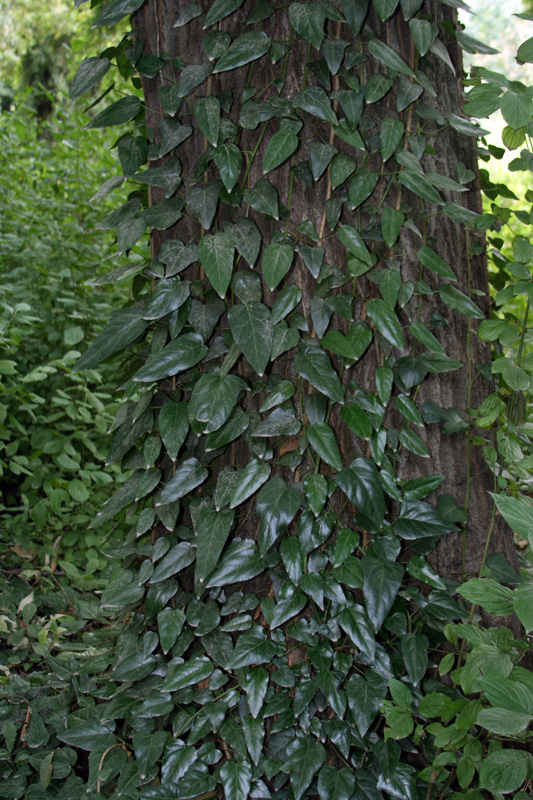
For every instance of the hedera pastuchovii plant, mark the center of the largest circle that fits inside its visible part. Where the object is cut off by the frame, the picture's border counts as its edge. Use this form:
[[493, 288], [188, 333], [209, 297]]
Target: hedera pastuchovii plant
[[305, 322]]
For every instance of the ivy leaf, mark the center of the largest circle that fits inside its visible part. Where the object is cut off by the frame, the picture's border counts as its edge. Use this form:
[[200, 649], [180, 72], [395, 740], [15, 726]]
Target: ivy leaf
[[216, 255], [115, 11], [320, 156], [89, 73], [381, 584], [250, 479], [263, 197], [279, 423], [412, 442], [361, 186], [170, 622], [117, 113], [305, 757], [315, 101], [422, 33], [202, 203], [234, 427], [415, 655], [277, 505], [236, 777], [241, 562], [387, 56], [316, 491], [357, 420], [247, 47], [279, 148], [355, 622], [186, 478], [194, 670], [168, 296], [228, 159], [362, 486], [459, 302], [314, 365], [418, 519], [125, 326], [365, 696], [355, 13], [148, 747], [213, 399], [516, 109], [308, 19], [193, 76], [173, 133], [252, 647], [276, 262], [420, 186], [219, 10], [386, 322], [246, 238], [181, 354], [435, 263], [255, 684], [336, 784], [251, 326], [353, 242], [390, 136], [207, 114], [167, 178], [173, 425], [212, 530], [323, 442]]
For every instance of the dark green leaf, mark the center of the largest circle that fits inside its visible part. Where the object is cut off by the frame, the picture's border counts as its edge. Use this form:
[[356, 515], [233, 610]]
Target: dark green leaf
[[308, 19], [170, 622], [277, 506], [352, 240], [391, 223], [173, 425], [435, 263], [390, 136], [357, 420], [459, 302], [381, 584], [305, 757], [115, 11], [241, 562], [420, 186], [385, 321], [207, 114], [323, 442], [504, 771], [213, 399], [279, 148], [315, 101], [125, 326], [277, 260], [228, 159], [173, 133], [186, 478], [313, 364], [247, 47], [415, 655], [219, 10], [251, 326], [361, 186], [236, 777], [191, 672], [213, 528], [255, 684], [202, 203], [263, 197], [525, 52], [89, 73], [422, 33], [168, 295], [117, 113], [253, 647], [181, 354], [250, 479], [361, 484], [316, 490], [387, 56], [320, 156], [365, 696], [193, 76], [216, 255], [178, 557], [418, 519], [246, 238], [290, 602]]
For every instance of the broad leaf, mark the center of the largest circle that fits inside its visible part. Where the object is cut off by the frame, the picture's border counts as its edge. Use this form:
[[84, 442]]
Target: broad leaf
[[277, 506], [314, 365], [181, 354], [117, 113], [361, 484], [323, 442], [89, 73], [115, 11], [365, 696], [173, 425], [186, 478], [207, 114], [125, 326], [216, 255], [381, 584], [250, 479], [308, 19], [305, 757], [212, 530], [213, 399], [251, 326], [459, 302], [280, 147], [387, 56], [385, 321], [236, 779], [247, 47]]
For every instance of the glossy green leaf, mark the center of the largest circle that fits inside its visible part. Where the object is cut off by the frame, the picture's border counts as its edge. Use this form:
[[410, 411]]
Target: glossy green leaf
[[293, 558], [412, 442], [308, 19], [252, 477], [305, 757], [415, 655], [125, 326], [391, 224], [320, 157], [389, 282], [115, 11], [236, 777], [459, 302], [213, 399], [246, 48], [173, 425], [386, 322], [252, 647], [505, 693], [276, 262], [314, 365], [202, 203], [233, 428], [516, 108], [178, 557], [418, 519], [167, 178], [362, 185], [212, 530], [255, 684], [390, 135], [365, 696], [280, 147], [417, 184], [316, 491], [357, 420], [387, 56], [181, 354], [277, 505], [422, 32], [189, 673], [435, 263], [219, 10], [89, 74], [170, 622], [251, 326], [323, 442], [186, 478], [263, 197], [377, 87], [216, 255], [228, 159], [315, 101], [193, 76], [489, 594], [207, 114], [362, 486], [117, 113], [382, 582], [281, 392], [504, 771], [353, 242], [341, 168], [246, 238], [356, 624]]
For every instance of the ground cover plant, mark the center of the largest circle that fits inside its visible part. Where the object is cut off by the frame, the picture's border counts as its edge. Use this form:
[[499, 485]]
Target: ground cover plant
[[299, 353]]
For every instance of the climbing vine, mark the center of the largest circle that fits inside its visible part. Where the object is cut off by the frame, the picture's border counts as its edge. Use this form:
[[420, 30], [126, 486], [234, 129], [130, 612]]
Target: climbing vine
[[283, 624]]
